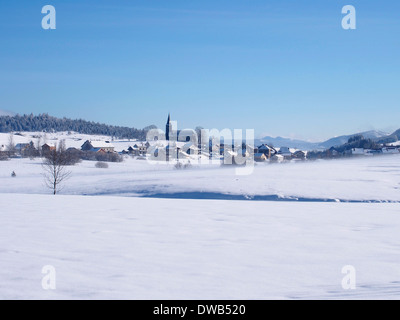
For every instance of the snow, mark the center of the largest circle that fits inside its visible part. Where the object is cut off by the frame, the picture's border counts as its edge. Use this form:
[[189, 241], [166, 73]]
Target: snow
[[106, 241], [137, 248], [357, 179], [72, 139], [101, 144]]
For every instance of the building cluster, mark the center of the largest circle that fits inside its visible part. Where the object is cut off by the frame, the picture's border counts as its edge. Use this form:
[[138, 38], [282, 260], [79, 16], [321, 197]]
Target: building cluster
[[179, 144], [371, 152], [357, 152]]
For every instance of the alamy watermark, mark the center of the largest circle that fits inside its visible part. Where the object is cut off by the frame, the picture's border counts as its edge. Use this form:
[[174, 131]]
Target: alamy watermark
[[49, 278], [49, 20], [349, 280], [349, 21], [205, 146]]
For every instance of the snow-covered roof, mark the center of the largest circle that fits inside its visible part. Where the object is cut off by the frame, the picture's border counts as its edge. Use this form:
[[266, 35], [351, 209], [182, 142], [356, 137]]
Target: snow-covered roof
[[101, 144], [264, 146]]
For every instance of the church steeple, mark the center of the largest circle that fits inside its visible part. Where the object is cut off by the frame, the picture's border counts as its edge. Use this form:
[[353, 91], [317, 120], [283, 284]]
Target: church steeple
[[167, 127]]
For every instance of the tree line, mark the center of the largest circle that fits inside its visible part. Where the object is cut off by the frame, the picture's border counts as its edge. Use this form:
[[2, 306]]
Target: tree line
[[46, 123], [357, 141]]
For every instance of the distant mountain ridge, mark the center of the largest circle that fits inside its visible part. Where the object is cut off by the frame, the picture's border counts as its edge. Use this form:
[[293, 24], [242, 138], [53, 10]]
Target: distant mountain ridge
[[337, 141], [375, 135], [287, 142]]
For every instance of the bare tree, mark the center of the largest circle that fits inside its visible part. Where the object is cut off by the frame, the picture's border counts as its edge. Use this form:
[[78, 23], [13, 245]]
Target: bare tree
[[54, 166], [11, 145], [38, 145]]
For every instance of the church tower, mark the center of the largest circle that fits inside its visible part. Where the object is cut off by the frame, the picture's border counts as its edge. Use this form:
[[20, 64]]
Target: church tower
[[168, 127]]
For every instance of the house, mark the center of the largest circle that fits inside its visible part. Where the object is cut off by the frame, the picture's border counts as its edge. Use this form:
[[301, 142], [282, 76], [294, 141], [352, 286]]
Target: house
[[22, 147], [260, 157], [285, 153], [357, 151], [99, 150], [141, 150], [46, 148], [373, 151], [266, 150], [97, 145], [300, 155], [368, 152], [390, 150], [133, 151], [277, 158]]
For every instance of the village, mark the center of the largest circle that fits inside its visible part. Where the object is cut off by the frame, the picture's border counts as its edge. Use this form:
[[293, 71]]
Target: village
[[178, 145]]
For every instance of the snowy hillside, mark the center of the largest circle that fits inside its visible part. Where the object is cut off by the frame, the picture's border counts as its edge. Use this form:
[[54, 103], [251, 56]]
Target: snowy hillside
[[72, 140], [332, 142]]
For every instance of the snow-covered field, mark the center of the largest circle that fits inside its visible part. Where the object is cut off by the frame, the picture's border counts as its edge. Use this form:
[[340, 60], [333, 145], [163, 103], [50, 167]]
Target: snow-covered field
[[135, 248], [106, 241], [357, 179]]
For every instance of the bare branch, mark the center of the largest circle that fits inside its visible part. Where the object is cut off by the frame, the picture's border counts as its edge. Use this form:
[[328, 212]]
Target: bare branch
[[54, 166]]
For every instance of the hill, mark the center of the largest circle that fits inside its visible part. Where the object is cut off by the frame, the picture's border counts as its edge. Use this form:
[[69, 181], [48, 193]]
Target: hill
[[338, 141], [333, 142], [46, 123], [394, 137], [287, 142]]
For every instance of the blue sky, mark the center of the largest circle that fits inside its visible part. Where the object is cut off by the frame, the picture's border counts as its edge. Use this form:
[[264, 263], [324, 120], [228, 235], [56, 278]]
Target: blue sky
[[282, 67]]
